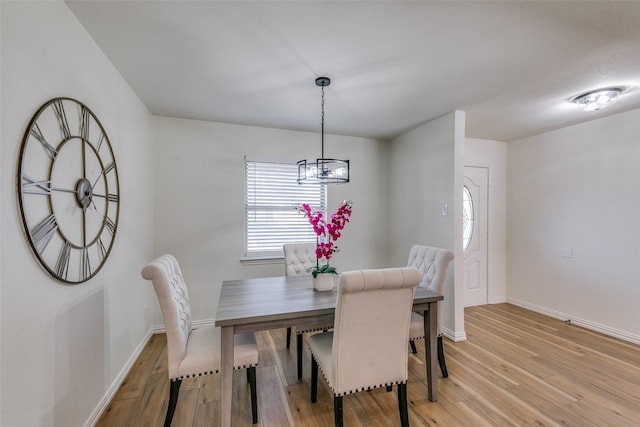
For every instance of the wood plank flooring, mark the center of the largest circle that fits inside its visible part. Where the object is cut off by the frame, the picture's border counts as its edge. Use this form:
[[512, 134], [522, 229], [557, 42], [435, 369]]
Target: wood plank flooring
[[517, 368]]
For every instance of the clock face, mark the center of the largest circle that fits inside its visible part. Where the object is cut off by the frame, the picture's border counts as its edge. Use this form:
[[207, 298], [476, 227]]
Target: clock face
[[68, 190]]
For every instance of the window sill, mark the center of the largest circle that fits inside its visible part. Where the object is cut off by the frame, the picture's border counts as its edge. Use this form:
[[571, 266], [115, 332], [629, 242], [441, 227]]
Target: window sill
[[262, 260]]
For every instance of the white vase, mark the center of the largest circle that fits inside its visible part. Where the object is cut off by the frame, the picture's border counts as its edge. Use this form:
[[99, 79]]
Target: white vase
[[323, 282]]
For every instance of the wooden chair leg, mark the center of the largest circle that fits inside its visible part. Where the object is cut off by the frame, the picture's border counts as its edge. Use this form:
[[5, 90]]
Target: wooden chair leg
[[337, 410], [251, 372], [174, 389], [402, 405], [413, 346], [299, 355], [443, 366], [288, 337], [314, 380]]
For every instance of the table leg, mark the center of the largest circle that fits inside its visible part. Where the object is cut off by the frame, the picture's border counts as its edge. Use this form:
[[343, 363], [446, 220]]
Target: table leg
[[431, 349], [226, 374]]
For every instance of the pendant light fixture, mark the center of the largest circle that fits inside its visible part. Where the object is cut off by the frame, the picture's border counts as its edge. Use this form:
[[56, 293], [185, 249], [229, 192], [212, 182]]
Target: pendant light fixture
[[323, 171]]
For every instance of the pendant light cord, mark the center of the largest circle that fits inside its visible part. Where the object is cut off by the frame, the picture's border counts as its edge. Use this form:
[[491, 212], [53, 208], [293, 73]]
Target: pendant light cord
[[322, 128]]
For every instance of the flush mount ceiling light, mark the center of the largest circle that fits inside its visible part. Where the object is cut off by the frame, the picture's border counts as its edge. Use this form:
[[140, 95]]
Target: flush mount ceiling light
[[322, 170], [598, 99]]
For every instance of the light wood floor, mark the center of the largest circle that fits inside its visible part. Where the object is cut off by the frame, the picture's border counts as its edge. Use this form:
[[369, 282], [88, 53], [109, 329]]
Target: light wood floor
[[517, 368]]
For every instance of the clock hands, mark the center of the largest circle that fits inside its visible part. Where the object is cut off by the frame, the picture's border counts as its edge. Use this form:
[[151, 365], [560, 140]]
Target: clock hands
[[33, 186], [96, 181], [64, 190], [83, 191], [85, 194], [110, 197]]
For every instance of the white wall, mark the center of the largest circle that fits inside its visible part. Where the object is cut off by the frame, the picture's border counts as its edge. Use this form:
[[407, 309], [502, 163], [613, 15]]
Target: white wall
[[577, 188], [493, 155], [64, 346], [200, 180], [426, 172]]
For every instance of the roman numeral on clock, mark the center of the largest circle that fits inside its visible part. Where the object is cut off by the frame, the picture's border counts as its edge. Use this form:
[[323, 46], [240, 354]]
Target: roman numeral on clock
[[37, 134], [62, 265], [31, 186], [42, 233], [85, 267], [58, 108], [84, 123], [111, 227]]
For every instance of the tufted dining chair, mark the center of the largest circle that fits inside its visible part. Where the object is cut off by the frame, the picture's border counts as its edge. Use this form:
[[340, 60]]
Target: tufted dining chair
[[193, 352], [433, 263], [368, 346], [299, 260]]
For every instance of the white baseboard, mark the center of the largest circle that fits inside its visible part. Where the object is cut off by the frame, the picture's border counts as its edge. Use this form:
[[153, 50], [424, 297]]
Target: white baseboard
[[200, 323], [160, 329], [111, 392], [454, 336], [616, 333]]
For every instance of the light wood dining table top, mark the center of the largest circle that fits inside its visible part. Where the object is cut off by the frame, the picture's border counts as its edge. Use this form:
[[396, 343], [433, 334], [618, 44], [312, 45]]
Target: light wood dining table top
[[275, 302], [278, 300]]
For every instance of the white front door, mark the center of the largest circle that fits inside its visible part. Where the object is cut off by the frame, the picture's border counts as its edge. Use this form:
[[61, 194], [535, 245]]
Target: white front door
[[475, 208]]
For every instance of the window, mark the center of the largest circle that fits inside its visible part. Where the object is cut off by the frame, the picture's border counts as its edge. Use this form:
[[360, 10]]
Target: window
[[271, 219], [467, 218]]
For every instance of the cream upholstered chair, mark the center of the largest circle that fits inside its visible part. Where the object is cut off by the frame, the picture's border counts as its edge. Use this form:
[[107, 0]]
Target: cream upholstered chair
[[299, 260], [368, 346], [433, 263], [193, 352]]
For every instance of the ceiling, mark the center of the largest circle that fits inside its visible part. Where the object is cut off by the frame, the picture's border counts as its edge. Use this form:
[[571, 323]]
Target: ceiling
[[512, 66]]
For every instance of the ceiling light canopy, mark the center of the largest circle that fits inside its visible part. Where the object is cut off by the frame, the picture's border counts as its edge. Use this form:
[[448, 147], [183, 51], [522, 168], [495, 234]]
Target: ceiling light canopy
[[322, 170], [598, 99]]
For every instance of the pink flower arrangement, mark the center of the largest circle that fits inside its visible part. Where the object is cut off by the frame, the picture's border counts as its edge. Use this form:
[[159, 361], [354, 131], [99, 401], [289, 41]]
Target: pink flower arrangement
[[326, 233]]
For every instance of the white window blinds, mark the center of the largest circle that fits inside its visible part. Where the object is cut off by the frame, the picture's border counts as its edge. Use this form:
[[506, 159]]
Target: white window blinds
[[271, 219]]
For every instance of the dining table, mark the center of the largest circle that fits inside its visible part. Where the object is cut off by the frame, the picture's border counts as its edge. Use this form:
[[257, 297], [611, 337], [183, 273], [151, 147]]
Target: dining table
[[250, 305]]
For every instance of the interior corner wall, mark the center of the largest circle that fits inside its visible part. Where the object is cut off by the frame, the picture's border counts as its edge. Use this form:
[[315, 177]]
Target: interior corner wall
[[64, 346], [426, 164], [493, 156], [573, 202], [201, 181]]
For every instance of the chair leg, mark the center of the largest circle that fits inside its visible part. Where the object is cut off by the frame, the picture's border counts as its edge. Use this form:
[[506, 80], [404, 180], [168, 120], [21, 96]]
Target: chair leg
[[443, 366], [337, 410], [314, 380], [288, 337], [299, 355], [251, 373], [402, 405], [413, 346], [174, 389]]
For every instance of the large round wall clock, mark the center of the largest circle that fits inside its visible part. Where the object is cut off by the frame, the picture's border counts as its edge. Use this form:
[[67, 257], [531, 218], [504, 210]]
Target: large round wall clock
[[68, 190]]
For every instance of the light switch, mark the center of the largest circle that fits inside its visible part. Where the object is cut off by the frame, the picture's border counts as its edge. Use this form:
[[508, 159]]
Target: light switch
[[567, 253], [445, 210]]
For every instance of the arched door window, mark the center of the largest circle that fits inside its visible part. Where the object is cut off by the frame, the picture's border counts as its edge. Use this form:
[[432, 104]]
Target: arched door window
[[467, 218]]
